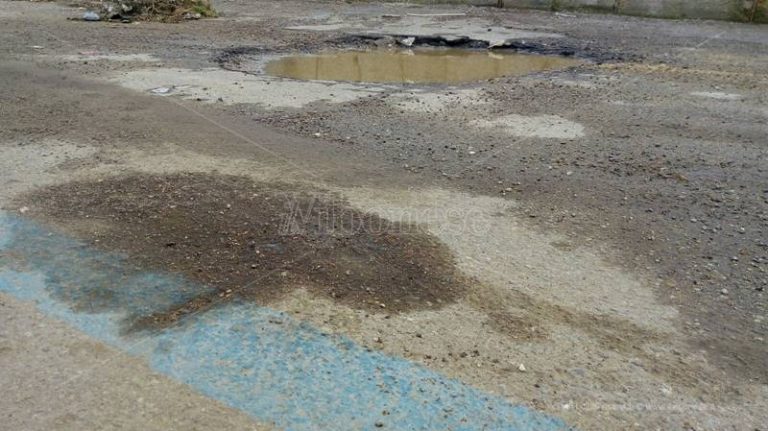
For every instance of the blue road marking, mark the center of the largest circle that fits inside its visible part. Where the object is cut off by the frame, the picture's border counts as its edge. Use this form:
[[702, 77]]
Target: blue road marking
[[277, 369]]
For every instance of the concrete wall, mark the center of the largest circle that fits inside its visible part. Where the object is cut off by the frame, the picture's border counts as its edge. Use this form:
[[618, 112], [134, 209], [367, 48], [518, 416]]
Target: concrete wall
[[734, 10], [737, 10]]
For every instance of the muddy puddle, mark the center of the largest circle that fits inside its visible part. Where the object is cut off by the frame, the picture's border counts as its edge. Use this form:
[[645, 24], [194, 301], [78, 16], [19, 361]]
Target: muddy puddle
[[250, 241], [429, 66]]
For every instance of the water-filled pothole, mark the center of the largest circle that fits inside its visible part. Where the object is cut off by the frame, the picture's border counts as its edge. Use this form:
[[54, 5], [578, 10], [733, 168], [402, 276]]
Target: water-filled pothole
[[413, 66]]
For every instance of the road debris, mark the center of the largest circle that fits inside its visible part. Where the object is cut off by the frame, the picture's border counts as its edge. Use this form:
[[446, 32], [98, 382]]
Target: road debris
[[91, 16]]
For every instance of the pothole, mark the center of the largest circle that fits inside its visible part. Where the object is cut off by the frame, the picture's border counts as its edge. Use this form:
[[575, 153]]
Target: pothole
[[246, 241], [426, 66]]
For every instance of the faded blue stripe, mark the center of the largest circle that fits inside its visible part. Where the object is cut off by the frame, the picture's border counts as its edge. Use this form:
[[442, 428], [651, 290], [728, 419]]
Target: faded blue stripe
[[255, 359]]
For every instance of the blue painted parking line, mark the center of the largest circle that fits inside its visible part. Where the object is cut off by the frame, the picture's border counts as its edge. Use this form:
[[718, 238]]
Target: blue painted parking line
[[261, 361]]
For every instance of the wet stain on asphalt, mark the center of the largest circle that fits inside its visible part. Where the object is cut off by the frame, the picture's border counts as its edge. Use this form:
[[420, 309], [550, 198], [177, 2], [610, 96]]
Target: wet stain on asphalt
[[249, 241]]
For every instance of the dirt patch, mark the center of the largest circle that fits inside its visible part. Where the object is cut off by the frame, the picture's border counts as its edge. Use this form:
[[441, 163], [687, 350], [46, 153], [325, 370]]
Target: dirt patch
[[255, 241], [516, 326], [151, 10]]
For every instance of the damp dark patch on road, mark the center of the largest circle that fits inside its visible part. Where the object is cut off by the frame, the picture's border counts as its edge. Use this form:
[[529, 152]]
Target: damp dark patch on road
[[232, 58], [518, 326], [525, 318], [252, 241]]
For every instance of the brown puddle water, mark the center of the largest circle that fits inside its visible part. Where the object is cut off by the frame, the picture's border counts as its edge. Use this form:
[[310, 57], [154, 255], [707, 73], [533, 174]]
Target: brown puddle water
[[413, 66]]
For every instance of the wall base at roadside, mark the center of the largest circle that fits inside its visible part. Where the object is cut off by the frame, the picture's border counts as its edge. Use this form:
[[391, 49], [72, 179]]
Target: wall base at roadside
[[732, 10]]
